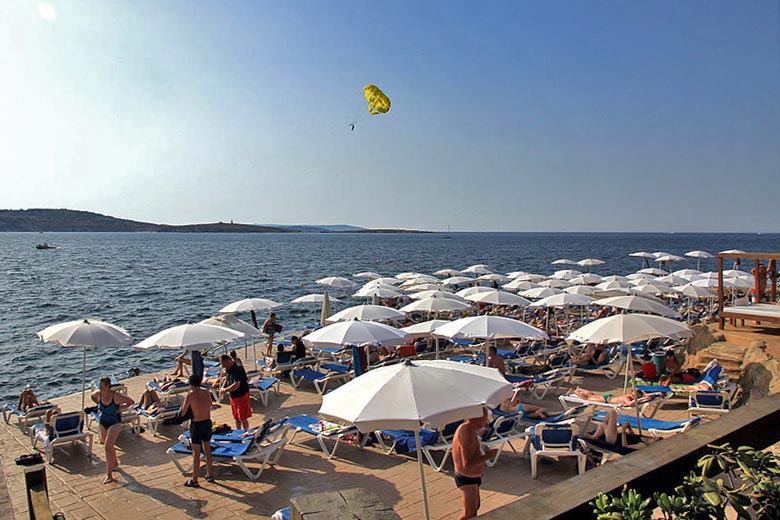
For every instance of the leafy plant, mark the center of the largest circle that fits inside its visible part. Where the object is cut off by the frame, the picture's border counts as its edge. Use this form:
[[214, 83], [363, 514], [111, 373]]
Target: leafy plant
[[745, 480]]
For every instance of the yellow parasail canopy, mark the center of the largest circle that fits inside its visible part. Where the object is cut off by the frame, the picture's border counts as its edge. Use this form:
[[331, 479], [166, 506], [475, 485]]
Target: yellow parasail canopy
[[378, 102]]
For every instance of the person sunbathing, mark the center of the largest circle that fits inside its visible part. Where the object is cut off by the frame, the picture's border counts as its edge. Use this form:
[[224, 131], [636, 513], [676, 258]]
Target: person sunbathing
[[150, 401], [620, 439], [622, 400], [27, 400], [181, 361], [514, 404], [168, 382], [594, 355]]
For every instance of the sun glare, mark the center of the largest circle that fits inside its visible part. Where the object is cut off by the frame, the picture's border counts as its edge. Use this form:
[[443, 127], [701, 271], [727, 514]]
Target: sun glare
[[47, 12]]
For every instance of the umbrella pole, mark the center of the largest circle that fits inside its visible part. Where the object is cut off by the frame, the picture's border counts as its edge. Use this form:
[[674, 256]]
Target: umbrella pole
[[633, 387], [422, 474], [83, 377], [437, 348]]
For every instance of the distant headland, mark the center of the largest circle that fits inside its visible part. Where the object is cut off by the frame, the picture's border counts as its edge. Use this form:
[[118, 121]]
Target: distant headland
[[75, 221]]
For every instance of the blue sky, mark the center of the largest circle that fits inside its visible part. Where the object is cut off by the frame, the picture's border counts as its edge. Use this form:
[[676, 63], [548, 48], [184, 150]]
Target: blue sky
[[506, 116]]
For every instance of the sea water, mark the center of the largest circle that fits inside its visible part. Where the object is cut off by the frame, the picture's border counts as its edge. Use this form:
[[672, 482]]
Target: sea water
[[146, 282]]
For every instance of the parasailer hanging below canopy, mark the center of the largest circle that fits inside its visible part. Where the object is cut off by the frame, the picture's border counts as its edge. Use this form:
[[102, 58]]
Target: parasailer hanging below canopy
[[378, 103]]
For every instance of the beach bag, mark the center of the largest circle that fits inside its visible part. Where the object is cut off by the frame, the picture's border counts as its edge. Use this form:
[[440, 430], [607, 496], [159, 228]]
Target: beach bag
[[277, 327]]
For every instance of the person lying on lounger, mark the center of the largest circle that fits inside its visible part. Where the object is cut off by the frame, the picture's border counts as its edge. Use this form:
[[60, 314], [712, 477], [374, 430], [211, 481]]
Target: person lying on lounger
[[622, 400], [27, 400], [514, 404], [594, 355], [620, 438]]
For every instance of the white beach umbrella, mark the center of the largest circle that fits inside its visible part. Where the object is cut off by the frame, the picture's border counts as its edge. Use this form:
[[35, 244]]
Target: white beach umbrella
[[585, 290], [672, 279], [732, 252], [424, 329], [378, 292], [384, 280], [249, 304], [698, 255], [190, 336], [435, 305], [424, 278], [422, 287], [629, 328], [493, 277], [371, 275], [458, 280], [737, 273], [670, 259], [563, 300], [645, 256], [313, 298], [463, 293], [590, 262], [85, 334], [614, 278], [556, 283], [693, 291], [448, 272], [606, 293], [639, 276], [488, 327], [519, 285], [614, 284], [687, 272], [376, 284], [652, 290], [637, 304], [478, 269], [336, 282], [653, 271], [739, 283], [367, 313], [408, 395], [563, 261], [438, 293], [540, 292], [567, 274], [231, 322], [408, 275], [515, 274], [356, 332], [712, 283], [531, 277], [498, 298], [586, 279]]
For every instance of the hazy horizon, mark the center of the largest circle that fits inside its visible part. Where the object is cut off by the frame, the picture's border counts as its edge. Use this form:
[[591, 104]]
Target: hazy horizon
[[508, 116]]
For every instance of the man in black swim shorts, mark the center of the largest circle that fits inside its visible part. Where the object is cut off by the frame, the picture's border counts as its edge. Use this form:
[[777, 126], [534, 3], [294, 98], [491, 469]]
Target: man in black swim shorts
[[198, 402]]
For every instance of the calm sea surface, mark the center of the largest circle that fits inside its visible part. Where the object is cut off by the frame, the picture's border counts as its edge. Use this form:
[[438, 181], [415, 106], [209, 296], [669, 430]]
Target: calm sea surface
[[145, 282]]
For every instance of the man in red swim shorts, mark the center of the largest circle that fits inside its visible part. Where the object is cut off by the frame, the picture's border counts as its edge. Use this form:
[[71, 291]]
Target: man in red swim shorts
[[238, 387]]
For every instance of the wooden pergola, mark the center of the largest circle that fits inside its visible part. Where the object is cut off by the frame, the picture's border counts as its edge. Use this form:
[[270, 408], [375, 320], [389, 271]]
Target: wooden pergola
[[751, 312]]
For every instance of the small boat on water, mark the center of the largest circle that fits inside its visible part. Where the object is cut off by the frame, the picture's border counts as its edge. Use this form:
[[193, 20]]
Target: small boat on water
[[45, 246]]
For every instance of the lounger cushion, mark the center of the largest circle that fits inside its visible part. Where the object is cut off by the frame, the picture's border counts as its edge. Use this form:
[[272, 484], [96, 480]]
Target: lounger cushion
[[218, 449], [309, 375], [654, 424], [405, 442]]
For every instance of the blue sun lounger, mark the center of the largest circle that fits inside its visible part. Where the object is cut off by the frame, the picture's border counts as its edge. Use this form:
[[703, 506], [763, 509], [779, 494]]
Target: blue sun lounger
[[319, 379], [258, 449], [322, 431], [655, 427], [36, 413]]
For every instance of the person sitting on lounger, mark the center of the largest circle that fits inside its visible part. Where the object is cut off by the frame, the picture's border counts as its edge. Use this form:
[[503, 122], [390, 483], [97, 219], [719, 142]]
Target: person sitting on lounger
[[496, 361], [181, 361], [620, 438], [27, 400], [622, 400], [150, 401], [514, 404], [594, 355], [672, 369], [236, 359], [648, 369]]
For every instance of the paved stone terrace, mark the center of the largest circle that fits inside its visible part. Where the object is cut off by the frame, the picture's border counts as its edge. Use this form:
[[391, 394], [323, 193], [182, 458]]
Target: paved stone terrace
[[149, 485]]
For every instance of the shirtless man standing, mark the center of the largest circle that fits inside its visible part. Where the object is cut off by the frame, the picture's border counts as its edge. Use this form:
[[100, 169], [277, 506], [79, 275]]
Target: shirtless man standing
[[469, 463], [198, 401]]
